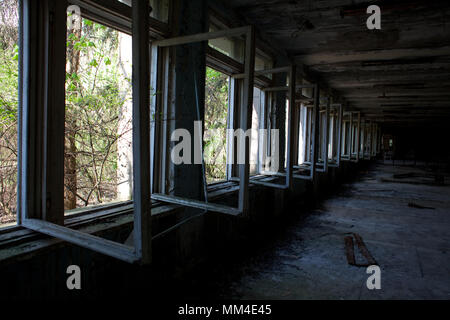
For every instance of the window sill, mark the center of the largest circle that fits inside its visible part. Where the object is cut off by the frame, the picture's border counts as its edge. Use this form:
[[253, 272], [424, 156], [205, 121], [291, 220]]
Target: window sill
[[18, 242]]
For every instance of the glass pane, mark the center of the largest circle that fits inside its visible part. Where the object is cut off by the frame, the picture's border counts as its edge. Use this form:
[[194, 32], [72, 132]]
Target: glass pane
[[333, 135], [301, 139], [254, 146], [160, 10], [286, 132], [231, 47], [234, 47], [98, 156], [8, 110], [263, 64]]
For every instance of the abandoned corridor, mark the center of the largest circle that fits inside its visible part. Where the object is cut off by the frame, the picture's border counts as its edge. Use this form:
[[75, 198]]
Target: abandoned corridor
[[404, 225]]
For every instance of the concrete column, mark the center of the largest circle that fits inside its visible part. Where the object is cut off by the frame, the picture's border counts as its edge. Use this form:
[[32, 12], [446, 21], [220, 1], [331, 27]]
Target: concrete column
[[187, 65], [190, 17]]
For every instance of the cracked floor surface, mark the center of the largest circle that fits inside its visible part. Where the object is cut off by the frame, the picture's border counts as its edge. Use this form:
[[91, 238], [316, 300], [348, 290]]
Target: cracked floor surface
[[411, 245]]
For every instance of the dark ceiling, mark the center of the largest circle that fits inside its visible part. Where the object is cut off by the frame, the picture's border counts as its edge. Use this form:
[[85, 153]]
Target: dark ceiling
[[398, 75]]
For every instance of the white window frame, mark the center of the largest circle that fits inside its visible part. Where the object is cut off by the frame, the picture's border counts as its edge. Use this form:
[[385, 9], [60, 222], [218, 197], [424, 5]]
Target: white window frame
[[291, 71], [42, 124], [324, 122], [311, 129], [245, 116], [355, 120], [336, 133]]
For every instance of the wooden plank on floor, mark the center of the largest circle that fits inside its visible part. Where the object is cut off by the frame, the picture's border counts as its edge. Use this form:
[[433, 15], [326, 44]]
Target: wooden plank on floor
[[349, 250]]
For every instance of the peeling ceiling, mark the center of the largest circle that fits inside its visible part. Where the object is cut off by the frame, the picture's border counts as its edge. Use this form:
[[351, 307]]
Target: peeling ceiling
[[400, 73]]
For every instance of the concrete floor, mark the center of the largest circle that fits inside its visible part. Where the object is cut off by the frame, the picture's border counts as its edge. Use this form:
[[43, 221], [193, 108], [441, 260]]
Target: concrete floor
[[411, 245]]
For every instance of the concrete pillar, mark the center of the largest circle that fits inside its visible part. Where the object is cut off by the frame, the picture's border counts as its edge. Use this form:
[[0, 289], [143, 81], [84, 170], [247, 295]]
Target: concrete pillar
[[188, 65], [190, 17]]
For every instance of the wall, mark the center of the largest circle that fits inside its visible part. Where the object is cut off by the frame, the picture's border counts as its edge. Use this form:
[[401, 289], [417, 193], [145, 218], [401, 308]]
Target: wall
[[42, 274], [421, 143]]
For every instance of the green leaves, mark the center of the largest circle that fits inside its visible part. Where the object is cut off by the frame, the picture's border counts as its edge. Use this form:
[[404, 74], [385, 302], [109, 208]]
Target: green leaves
[[8, 85], [216, 110], [9, 56], [88, 22], [72, 37], [95, 94], [93, 63], [74, 76], [16, 53]]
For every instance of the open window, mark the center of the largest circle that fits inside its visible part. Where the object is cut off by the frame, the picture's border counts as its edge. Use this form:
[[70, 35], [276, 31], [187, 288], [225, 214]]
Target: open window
[[265, 146], [335, 132], [351, 136], [306, 136], [225, 55], [244, 113], [304, 140], [324, 135], [43, 141], [355, 125], [308, 131], [346, 136]]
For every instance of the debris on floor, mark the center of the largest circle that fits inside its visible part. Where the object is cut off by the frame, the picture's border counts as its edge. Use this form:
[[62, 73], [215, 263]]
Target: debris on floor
[[407, 175], [350, 252], [418, 206], [308, 260]]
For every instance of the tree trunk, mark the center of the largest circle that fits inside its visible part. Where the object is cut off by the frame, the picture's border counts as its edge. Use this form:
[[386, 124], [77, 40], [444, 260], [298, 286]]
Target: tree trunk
[[70, 161]]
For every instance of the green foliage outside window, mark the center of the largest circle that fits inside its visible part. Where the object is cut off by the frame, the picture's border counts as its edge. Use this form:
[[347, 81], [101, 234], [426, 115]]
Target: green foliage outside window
[[8, 109], [216, 110], [96, 91]]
